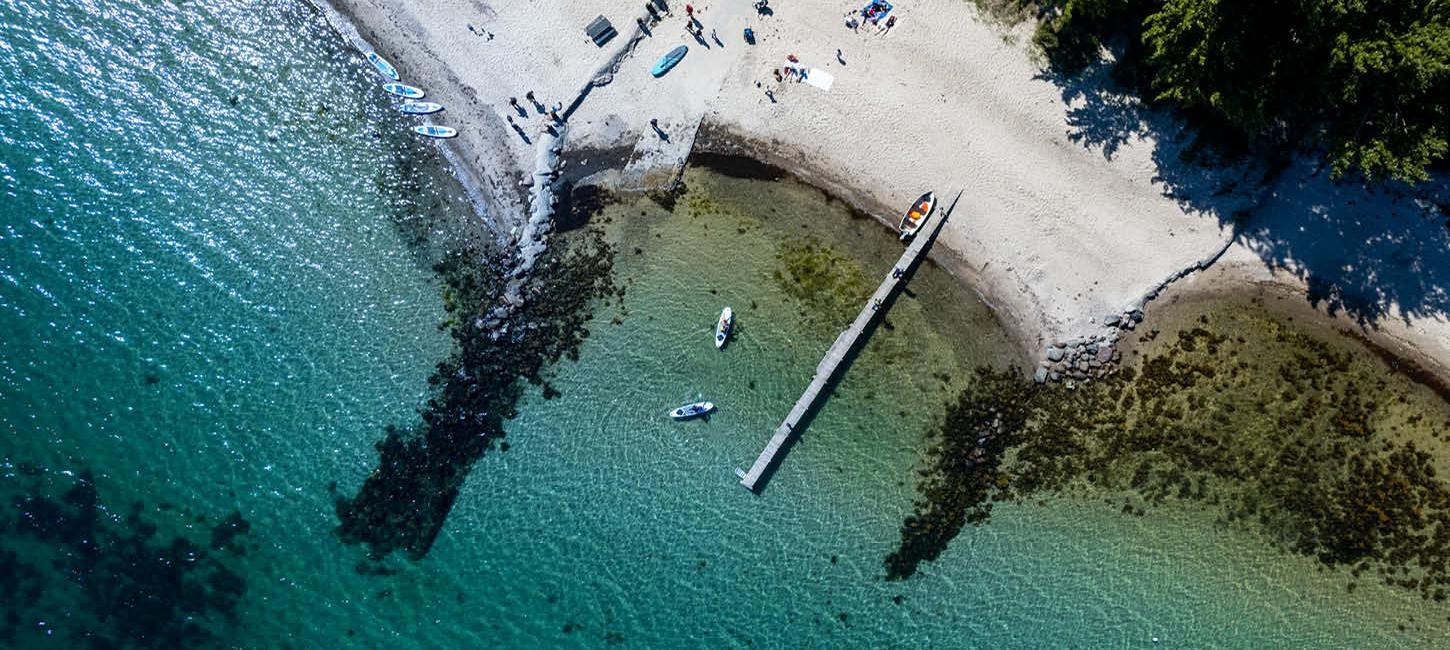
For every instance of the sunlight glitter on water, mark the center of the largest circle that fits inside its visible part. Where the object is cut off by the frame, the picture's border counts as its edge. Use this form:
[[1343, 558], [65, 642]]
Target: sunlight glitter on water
[[224, 316]]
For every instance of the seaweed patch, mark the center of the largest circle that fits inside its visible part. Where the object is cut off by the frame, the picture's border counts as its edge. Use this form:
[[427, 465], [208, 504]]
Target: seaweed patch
[[403, 504], [965, 469], [831, 285], [1295, 440], [140, 589]]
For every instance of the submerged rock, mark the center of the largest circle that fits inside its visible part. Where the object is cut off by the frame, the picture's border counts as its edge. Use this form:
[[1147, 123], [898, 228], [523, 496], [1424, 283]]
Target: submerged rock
[[403, 504], [1293, 440]]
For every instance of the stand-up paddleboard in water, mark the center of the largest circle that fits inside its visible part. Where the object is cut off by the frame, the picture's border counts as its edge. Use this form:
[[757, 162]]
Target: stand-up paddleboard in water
[[404, 90], [420, 108], [383, 66], [436, 131]]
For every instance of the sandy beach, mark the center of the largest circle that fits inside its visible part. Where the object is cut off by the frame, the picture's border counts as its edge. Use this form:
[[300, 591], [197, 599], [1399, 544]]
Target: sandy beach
[[1076, 207]]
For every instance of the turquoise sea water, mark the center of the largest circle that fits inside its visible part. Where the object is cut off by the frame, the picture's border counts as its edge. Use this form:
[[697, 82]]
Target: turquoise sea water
[[208, 303]]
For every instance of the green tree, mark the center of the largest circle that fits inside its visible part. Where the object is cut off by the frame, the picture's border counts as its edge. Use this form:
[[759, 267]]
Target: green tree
[[1372, 77], [1389, 68]]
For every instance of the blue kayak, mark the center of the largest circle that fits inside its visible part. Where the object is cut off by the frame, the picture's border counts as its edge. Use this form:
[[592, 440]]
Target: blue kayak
[[669, 60]]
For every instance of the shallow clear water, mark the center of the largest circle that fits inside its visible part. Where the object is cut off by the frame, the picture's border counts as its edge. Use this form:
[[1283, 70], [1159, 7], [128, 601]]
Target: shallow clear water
[[214, 320]]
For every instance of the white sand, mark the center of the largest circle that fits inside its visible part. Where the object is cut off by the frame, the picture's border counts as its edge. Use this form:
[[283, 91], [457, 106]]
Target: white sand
[[1062, 219]]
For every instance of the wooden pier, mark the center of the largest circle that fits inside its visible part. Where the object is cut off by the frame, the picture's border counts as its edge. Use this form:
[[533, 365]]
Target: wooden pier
[[755, 478]]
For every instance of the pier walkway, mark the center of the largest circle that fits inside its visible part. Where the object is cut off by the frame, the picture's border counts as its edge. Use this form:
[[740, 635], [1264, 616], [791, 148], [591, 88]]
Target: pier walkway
[[755, 478]]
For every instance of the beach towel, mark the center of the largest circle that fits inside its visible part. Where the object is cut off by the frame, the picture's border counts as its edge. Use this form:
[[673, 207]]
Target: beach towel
[[875, 11], [820, 79]]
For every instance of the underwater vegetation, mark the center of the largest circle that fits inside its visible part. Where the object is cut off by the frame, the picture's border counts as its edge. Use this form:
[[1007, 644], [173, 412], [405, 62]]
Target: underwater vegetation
[[1300, 442], [138, 588], [966, 471], [403, 504], [831, 285]]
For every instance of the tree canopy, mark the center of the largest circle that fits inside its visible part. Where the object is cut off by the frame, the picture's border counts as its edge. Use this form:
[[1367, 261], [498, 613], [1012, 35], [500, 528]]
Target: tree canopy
[[1371, 77]]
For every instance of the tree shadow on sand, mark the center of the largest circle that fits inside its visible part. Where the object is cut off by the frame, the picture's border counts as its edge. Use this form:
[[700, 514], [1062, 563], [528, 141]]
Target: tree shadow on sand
[[1370, 252]]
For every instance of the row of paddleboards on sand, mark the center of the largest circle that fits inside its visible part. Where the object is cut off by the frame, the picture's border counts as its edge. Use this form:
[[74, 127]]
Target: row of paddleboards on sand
[[411, 95]]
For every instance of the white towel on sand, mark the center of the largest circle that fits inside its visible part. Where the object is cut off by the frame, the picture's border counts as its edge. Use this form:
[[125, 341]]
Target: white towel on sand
[[820, 79]]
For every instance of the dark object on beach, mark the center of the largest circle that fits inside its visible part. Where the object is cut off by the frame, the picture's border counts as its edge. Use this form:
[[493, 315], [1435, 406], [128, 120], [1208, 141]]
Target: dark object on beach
[[763, 8], [600, 31], [750, 36]]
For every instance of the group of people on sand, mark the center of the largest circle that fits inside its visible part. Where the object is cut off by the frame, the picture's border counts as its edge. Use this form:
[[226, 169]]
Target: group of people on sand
[[792, 70], [697, 29], [555, 119], [871, 14]]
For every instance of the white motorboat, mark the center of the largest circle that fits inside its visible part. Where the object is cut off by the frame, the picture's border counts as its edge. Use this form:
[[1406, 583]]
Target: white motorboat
[[917, 215], [691, 410], [722, 328]]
